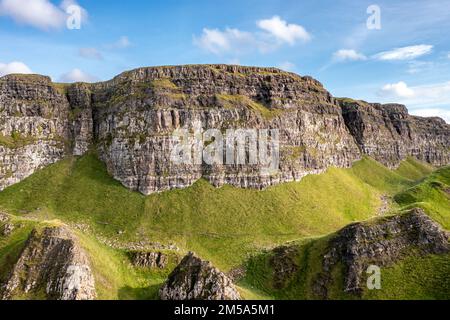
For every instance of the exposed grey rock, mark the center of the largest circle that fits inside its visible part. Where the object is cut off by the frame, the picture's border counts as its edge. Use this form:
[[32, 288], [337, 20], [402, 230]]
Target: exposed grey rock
[[4, 217], [33, 126], [380, 243], [195, 279], [132, 117], [52, 262], [7, 229], [389, 134], [149, 259]]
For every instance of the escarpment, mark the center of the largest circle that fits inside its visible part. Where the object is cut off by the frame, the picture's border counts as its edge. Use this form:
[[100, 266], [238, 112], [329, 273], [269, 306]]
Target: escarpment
[[380, 243], [34, 130], [389, 134], [52, 265], [195, 279], [132, 119]]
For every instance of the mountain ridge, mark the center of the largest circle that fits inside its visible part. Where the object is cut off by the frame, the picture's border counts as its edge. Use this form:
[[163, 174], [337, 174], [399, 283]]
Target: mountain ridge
[[130, 119]]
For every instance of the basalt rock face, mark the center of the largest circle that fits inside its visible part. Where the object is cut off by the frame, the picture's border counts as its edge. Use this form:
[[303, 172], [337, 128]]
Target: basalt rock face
[[131, 120], [148, 259], [137, 113], [195, 279], [389, 134], [380, 243], [52, 265], [33, 126]]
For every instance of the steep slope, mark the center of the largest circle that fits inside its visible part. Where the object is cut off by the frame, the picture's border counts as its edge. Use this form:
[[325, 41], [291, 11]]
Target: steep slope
[[335, 267], [221, 225], [34, 129], [389, 134], [131, 121], [52, 265]]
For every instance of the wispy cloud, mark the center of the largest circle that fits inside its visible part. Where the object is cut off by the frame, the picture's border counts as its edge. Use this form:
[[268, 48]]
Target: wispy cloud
[[90, 53], [348, 55], [287, 66], [432, 112], [283, 31], [272, 33], [41, 14], [14, 67], [404, 53], [76, 75], [436, 94], [397, 90]]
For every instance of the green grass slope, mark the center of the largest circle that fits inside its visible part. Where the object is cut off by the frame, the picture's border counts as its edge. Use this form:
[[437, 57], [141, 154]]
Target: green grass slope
[[222, 225], [432, 195], [115, 276]]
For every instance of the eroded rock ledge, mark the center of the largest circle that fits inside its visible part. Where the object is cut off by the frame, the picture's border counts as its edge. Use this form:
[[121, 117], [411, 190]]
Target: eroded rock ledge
[[130, 120], [53, 266], [381, 243], [195, 279]]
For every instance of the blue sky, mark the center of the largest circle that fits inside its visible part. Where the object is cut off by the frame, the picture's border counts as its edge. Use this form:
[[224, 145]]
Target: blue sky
[[407, 60]]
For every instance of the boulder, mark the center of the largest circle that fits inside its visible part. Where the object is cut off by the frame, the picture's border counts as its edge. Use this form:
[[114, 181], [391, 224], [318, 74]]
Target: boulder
[[195, 279], [52, 265]]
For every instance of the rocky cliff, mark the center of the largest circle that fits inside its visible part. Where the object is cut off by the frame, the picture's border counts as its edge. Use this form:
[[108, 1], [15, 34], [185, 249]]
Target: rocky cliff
[[130, 121], [195, 279], [381, 243], [53, 266], [389, 134]]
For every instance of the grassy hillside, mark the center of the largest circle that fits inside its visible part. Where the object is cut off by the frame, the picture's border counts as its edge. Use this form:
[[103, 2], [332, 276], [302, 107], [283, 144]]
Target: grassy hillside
[[115, 276], [416, 277], [220, 224], [223, 225], [432, 195]]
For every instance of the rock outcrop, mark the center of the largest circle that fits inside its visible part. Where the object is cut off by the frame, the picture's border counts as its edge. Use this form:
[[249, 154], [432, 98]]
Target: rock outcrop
[[33, 126], [131, 121], [381, 243], [389, 134], [149, 259], [53, 266], [195, 279]]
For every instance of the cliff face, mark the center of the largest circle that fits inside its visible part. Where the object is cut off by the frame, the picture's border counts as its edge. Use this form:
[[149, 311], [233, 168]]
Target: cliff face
[[131, 120], [33, 126], [389, 134], [136, 114], [382, 244], [195, 279], [53, 263]]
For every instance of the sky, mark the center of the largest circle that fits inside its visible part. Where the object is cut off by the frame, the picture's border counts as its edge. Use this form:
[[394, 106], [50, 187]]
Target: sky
[[378, 51]]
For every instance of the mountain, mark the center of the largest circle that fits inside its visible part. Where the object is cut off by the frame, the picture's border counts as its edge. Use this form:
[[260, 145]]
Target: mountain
[[86, 170], [130, 120]]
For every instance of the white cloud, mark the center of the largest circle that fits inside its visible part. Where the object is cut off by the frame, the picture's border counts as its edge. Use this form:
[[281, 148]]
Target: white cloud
[[432, 112], [234, 61], [405, 53], [90, 53], [122, 43], [425, 97], [397, 90], [14, 67], [41, 14], [348, 54], [76, 75], [448, 56], [229, 40], [274, 32], [284, 31], [287, 66]]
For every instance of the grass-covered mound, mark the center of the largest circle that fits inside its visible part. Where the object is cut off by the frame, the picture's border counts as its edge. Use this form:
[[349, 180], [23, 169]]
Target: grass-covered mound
[[432, 195], [115, 275], [222, 225], [307, 269]]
